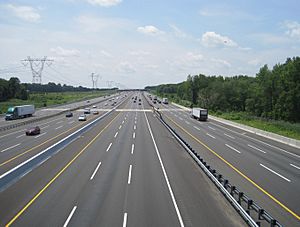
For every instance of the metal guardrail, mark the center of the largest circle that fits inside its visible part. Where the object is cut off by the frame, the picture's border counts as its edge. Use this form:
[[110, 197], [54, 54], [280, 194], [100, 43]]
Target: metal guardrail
[[236, 197], [3, 128]]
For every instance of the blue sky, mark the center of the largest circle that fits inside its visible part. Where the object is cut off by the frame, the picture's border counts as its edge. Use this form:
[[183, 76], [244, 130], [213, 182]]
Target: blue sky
[[139, 43]]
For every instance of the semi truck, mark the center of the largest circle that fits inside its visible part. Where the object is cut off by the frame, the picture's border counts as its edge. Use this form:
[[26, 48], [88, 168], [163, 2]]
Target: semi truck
[[16, 112], [199, 114], [165, 101]]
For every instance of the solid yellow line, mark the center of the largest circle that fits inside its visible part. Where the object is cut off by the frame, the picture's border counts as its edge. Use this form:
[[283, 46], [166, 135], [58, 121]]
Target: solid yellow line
[[238, 171], [57, 175], [25, 152]]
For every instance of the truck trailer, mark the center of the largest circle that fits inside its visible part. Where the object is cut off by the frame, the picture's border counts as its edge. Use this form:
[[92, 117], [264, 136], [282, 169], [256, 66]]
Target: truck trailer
[[199, 114], [16, 112]]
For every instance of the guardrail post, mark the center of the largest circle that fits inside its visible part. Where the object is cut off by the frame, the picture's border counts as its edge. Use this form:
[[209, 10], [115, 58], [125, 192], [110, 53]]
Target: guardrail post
[[241, 194], [232, 189], [249, 204], [260, 213], [273, 222], [225, 183]]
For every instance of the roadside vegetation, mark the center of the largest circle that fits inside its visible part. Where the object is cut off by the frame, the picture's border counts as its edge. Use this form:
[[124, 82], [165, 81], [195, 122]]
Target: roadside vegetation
[[270, 101], [13, 93]]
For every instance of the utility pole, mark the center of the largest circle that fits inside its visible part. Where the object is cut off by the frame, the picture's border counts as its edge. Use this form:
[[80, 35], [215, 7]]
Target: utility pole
[[94, 80], [37, 66]]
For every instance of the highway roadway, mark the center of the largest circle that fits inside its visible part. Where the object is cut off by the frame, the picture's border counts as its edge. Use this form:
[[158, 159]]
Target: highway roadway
[[43, 112], [266, 170], [126, 170]]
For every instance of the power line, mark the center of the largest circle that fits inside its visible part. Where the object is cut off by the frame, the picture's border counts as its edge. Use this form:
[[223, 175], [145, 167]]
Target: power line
[[37, 66]]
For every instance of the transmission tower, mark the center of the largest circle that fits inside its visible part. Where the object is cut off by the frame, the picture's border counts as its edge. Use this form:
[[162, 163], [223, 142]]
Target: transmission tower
[[95, 78], [37, 66]]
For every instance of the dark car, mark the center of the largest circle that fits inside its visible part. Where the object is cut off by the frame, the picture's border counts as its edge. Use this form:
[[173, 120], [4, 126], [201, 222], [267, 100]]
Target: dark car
[[140, 103], [33, 131], [69, 114]]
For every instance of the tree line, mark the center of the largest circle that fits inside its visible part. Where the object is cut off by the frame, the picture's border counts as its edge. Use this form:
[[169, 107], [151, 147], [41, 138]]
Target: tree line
[[272, 93], [13, 88]]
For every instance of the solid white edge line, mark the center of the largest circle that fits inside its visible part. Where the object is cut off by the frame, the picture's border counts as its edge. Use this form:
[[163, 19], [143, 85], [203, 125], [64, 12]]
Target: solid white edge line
[[165, 175], [275, 172], [10, 147], [233, 148], [229, 136], [210, 135], [95, 171], [249, 145], [125, 220], [108, 147], [129, 174], [70, 216], [132, 148], [297, 167], [40, 135]]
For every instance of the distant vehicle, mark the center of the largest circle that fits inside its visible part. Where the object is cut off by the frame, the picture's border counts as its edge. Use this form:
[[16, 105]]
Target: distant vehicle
[[95, 112], [165, 101], [199, 114], [140, 103], [16, 112], [86, 111], [88, 101], [140, 100], [134, 101], [105, 104], [33, 131], [69, 114], [155, 98], [94, 106], [154, 102], [82, 117], [158, 100]]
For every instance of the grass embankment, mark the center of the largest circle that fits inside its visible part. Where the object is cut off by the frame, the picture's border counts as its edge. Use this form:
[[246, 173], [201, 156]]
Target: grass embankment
[[291, 130], [50, 99]]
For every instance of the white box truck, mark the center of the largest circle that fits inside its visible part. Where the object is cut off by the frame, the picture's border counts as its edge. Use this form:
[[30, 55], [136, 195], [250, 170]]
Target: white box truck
[[165, 101], [16, 112], [199, 114]]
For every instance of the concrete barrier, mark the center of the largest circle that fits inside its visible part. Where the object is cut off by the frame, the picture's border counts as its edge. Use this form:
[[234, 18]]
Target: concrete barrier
[[269, 135]]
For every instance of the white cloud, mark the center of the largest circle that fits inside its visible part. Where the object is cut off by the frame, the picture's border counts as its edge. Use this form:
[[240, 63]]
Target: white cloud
[[178, 33], [106, 54], [126, 67], [95, 24], [105, 3], [212, 39], [65, 52], [221, 62], [293, 29], [149, 30], [26, 13]]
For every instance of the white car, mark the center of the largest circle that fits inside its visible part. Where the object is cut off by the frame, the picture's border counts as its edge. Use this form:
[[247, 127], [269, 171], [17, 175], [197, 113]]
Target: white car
[[106, 104], [94, 106], [82, 117]]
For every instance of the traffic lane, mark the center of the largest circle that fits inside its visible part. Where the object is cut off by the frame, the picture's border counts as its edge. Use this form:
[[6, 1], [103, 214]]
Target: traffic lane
[[14, 198], [198, 199], [229, 164], [83, 192], [49, 111], [263, 141], [34, 145], [57, 125], [149, 202], [11, 159], [242, 144]]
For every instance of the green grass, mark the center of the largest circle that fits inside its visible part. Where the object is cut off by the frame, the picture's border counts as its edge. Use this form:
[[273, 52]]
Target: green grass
[[291, 130], [50, 99]]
